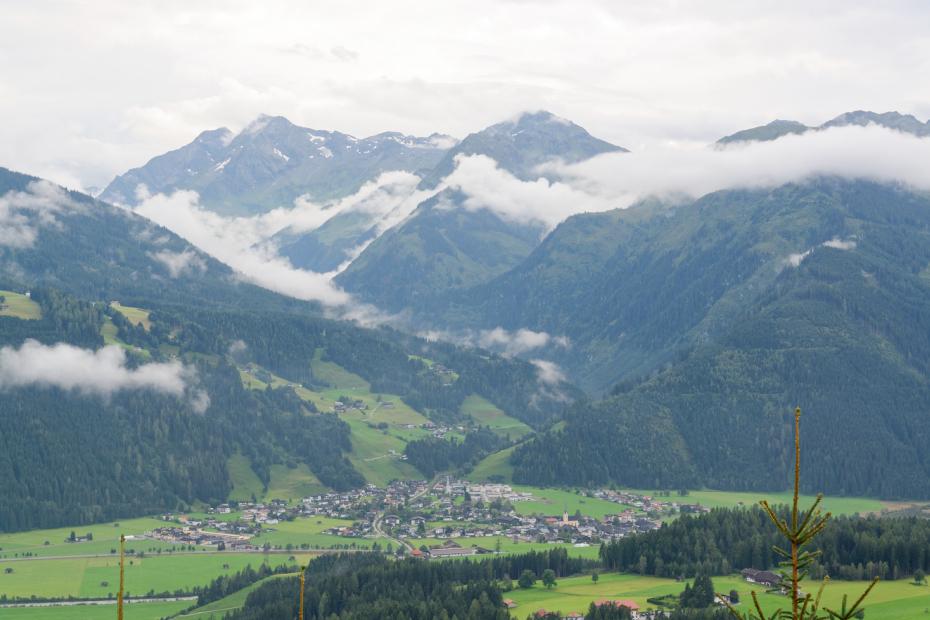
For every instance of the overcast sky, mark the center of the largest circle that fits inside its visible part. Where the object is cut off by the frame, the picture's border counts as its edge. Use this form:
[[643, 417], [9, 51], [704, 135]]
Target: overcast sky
[[90, 89]]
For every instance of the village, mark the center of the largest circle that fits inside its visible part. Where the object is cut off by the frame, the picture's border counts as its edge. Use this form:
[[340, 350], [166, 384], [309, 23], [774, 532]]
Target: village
[[446, 518]]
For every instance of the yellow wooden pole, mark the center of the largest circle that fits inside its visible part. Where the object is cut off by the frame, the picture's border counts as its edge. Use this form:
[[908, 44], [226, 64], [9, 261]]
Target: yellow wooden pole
[[301, 610], [122, 561]]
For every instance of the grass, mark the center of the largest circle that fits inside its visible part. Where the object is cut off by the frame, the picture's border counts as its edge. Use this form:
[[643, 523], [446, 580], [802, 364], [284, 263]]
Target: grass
[[19, 306], [293, 484], [729, 499], [245, 483], [133, 611], [494, 466], [236, 600], [83, 577], [109, 332], [554, 501], [310, 531], [136, 316], [897, 600], [106, 538], [508, 546], [488, 414]]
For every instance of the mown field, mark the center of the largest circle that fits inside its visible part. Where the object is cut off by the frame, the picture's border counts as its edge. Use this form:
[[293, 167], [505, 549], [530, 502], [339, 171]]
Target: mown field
[[19, 306], [136, 316], [106, 539], [98, 577], [729, 499], [891, 600], [133, 611], [217, 609], [488, 414]]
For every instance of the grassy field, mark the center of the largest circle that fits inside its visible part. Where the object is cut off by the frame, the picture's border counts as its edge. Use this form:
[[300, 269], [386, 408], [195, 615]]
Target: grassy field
[[728, 499], [133, 611], [554, 501], [84, 577], [310, 531], [106, 538], [494, 466], [898, 600], [19, 306], [245, 483], [216, 609], [488, 414], [508, 546], [136, 316]]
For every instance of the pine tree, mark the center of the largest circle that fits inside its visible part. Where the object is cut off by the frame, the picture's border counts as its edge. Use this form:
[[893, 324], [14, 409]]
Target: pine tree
[[803, 527]]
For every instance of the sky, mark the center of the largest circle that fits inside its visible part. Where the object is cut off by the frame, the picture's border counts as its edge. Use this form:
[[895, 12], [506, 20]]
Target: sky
[[90, 89]]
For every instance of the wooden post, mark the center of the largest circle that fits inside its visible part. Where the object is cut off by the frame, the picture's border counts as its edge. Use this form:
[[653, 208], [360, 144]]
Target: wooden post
[[122, 562], [301, 609]]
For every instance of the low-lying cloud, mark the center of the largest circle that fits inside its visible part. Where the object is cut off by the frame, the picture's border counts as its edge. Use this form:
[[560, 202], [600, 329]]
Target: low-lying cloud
[[499, 340], [681, 172], [517, 342], [548, 372], [102, 372], [246, 244], [795, 260], [180, 263], [871, 152], [235, 241], [23, 213]]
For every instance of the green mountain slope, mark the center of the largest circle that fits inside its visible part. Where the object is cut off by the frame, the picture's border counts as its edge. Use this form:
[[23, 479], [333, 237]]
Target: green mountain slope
[[810, 294], [439, 248], [97, 251], [444, 246]]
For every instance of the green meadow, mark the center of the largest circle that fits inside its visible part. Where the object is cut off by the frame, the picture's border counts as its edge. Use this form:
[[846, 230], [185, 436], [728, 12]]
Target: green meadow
[[555, 501], [19, 306], [488, 414], [216, 609], [136, 316], [507, 545], [105, 538], [98, 577], [133, 611], [890, 600], [310, 531], [729, 499]]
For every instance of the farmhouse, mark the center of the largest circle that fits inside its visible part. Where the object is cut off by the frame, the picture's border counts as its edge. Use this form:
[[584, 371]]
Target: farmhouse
[[762, 577]]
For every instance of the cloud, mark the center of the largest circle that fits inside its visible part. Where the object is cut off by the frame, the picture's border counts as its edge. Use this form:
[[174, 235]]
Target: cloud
[[487, 186], [839, 244], [518, 342], [180, 263], [548, 372], [687, 71], [500, 340], [23, 213], [102, 372], [675, 172], [795, 260], [233, 241]]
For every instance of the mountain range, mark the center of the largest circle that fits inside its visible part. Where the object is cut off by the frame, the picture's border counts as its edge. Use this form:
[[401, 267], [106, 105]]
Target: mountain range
[[692, 325], [272, 162]]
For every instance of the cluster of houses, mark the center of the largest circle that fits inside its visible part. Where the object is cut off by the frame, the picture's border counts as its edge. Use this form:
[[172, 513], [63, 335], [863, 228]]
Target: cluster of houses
[[648, 505], [196, 535]]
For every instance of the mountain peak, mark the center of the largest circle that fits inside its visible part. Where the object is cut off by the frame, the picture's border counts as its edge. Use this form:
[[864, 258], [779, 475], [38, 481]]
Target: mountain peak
[[891, 120]]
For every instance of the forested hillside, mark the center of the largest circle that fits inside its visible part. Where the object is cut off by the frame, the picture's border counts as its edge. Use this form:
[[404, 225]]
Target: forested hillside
[[71, 242], [73, 456], [728, 540]]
